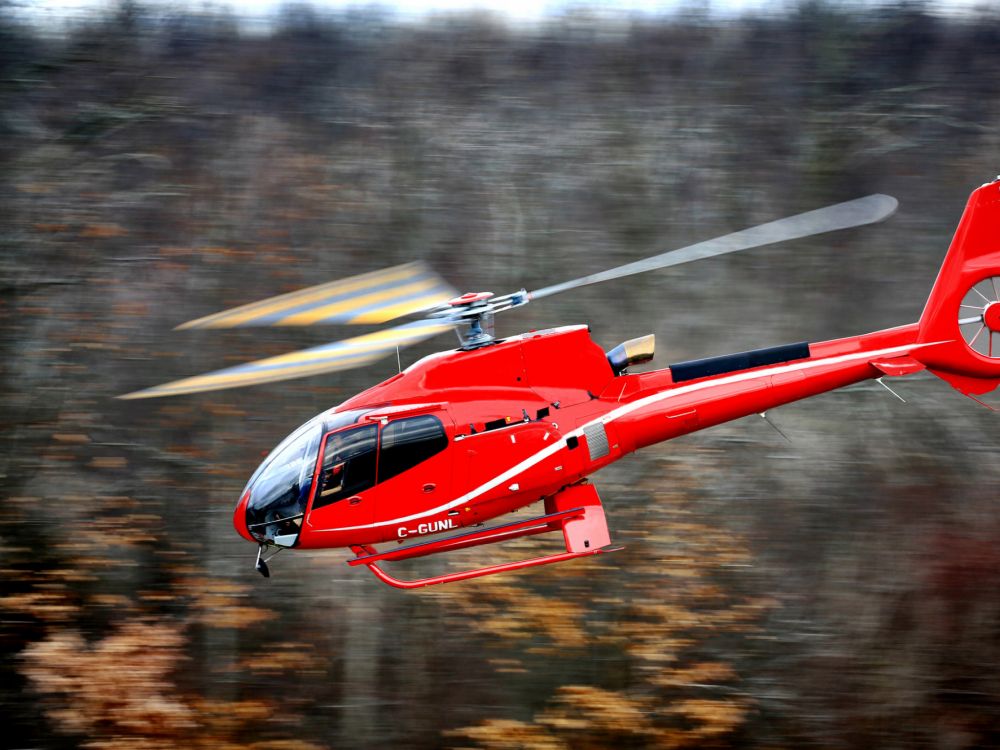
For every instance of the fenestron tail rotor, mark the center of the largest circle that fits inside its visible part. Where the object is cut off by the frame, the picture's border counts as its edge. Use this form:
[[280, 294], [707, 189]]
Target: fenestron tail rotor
[[414, 289], [979, 317]]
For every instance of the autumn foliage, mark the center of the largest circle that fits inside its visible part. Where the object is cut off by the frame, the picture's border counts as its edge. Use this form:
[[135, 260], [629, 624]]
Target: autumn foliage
[[156, 165]]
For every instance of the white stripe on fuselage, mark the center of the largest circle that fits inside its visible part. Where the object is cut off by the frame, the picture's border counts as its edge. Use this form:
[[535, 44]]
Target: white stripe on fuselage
[[628, 408]]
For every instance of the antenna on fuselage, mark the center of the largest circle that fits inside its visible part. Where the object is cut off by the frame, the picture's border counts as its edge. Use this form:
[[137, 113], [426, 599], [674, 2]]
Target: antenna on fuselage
[[883, 384], [763, 415]]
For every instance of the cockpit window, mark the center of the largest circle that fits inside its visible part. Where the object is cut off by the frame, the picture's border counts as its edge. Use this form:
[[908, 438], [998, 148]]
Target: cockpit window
[[408, 442], [348, 464], [280, 488], [279, 492]]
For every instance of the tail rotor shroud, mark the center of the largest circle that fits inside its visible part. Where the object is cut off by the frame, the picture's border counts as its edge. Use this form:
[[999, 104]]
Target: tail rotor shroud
[[979, 317]]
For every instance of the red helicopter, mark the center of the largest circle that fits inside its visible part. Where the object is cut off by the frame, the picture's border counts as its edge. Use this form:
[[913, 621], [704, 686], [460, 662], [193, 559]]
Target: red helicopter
[[471, 434]]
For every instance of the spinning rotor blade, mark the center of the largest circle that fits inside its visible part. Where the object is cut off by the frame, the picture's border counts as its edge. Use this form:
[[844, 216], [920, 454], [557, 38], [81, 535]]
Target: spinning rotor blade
[[867, 210], [375, 297], [340, 355]]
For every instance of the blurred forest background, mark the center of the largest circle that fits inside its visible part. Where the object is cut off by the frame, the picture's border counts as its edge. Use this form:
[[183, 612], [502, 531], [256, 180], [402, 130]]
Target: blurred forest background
[[841, 590]]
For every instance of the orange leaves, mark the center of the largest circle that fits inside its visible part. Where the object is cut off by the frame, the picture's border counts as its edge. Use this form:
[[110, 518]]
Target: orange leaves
[[109, 462], [503, 609], [119, 692], [222, 718], [219, 604], [500, 734], [589, 718], [672, 603], [49, 606], [609, 712], [84, 684], [126, 311], [103, 231], [698, 674], [70, 438], [709, 718], [125, 530], [286, 658], [225, 253]]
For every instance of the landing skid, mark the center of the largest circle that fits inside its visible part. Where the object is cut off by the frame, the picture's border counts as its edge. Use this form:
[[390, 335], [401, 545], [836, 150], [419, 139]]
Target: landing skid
[[576, 511]]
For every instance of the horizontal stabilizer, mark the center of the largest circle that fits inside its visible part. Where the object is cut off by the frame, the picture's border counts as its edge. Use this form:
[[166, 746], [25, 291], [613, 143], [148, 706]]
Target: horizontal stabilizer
[[898, 366]]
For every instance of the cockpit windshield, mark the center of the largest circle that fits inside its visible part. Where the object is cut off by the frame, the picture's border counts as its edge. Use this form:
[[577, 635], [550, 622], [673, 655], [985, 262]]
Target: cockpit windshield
[[280, 488]]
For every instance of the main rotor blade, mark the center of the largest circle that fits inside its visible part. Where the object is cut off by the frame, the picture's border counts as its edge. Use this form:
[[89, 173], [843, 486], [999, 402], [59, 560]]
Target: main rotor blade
[[339, 355], [376, 297], [867, 210]]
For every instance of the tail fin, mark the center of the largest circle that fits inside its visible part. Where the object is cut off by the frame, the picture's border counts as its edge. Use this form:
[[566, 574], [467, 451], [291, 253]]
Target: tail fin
[[962, 315]]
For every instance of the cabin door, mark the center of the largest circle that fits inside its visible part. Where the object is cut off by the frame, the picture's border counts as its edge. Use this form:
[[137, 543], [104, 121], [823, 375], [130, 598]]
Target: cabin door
[[415, 476]]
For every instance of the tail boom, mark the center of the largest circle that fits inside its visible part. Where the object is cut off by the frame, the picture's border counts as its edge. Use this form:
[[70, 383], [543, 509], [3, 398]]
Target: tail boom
[[657, 408]]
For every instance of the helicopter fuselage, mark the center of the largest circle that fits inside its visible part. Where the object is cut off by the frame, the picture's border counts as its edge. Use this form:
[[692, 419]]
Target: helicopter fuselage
[[529, 416]]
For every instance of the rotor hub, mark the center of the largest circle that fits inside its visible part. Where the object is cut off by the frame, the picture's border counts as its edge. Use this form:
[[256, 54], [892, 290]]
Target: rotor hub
[[470, 298], [991, 316]]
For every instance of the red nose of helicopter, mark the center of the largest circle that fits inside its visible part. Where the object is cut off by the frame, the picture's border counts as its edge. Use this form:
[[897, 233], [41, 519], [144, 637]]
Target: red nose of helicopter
[[240, 517]]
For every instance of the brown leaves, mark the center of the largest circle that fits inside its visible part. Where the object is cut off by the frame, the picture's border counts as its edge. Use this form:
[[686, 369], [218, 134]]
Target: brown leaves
[[708, 718], [119, 692], [585, 718], [109, 462], [582, 707], [501, 734], [103, 231], [506, 611], [217, 603], [671, 605], [229, 718], [116, 686], [286, 658], [49, 606]]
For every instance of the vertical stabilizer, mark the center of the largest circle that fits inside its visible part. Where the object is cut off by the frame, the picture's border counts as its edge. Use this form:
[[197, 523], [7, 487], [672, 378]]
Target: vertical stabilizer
[[963, 310]]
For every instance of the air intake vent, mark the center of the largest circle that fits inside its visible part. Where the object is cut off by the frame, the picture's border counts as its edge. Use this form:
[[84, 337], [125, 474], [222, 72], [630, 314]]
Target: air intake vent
[[597, 440]]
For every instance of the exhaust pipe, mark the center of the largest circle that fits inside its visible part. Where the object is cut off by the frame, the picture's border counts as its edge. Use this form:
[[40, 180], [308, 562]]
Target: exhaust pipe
[[632, 352]]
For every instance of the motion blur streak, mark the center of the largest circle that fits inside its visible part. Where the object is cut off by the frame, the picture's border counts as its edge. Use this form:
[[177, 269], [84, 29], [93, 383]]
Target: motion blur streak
[[159, 166]]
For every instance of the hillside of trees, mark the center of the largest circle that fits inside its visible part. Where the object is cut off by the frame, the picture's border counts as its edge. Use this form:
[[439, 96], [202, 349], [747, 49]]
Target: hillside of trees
[[839, 590]]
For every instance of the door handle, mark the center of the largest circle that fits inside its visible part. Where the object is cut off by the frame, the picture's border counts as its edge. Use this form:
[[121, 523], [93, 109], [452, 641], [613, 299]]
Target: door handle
[[354, 500], [430, 487]]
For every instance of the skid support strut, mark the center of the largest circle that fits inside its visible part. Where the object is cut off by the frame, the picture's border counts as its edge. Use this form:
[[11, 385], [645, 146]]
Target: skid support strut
[[576, 511]]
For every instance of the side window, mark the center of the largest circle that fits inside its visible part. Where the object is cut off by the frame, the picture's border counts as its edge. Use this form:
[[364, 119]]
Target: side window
[[348, 464], [407, 442]]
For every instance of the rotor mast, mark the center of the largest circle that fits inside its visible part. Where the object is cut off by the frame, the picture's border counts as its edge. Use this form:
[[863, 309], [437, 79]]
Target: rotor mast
[[473, 315]]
